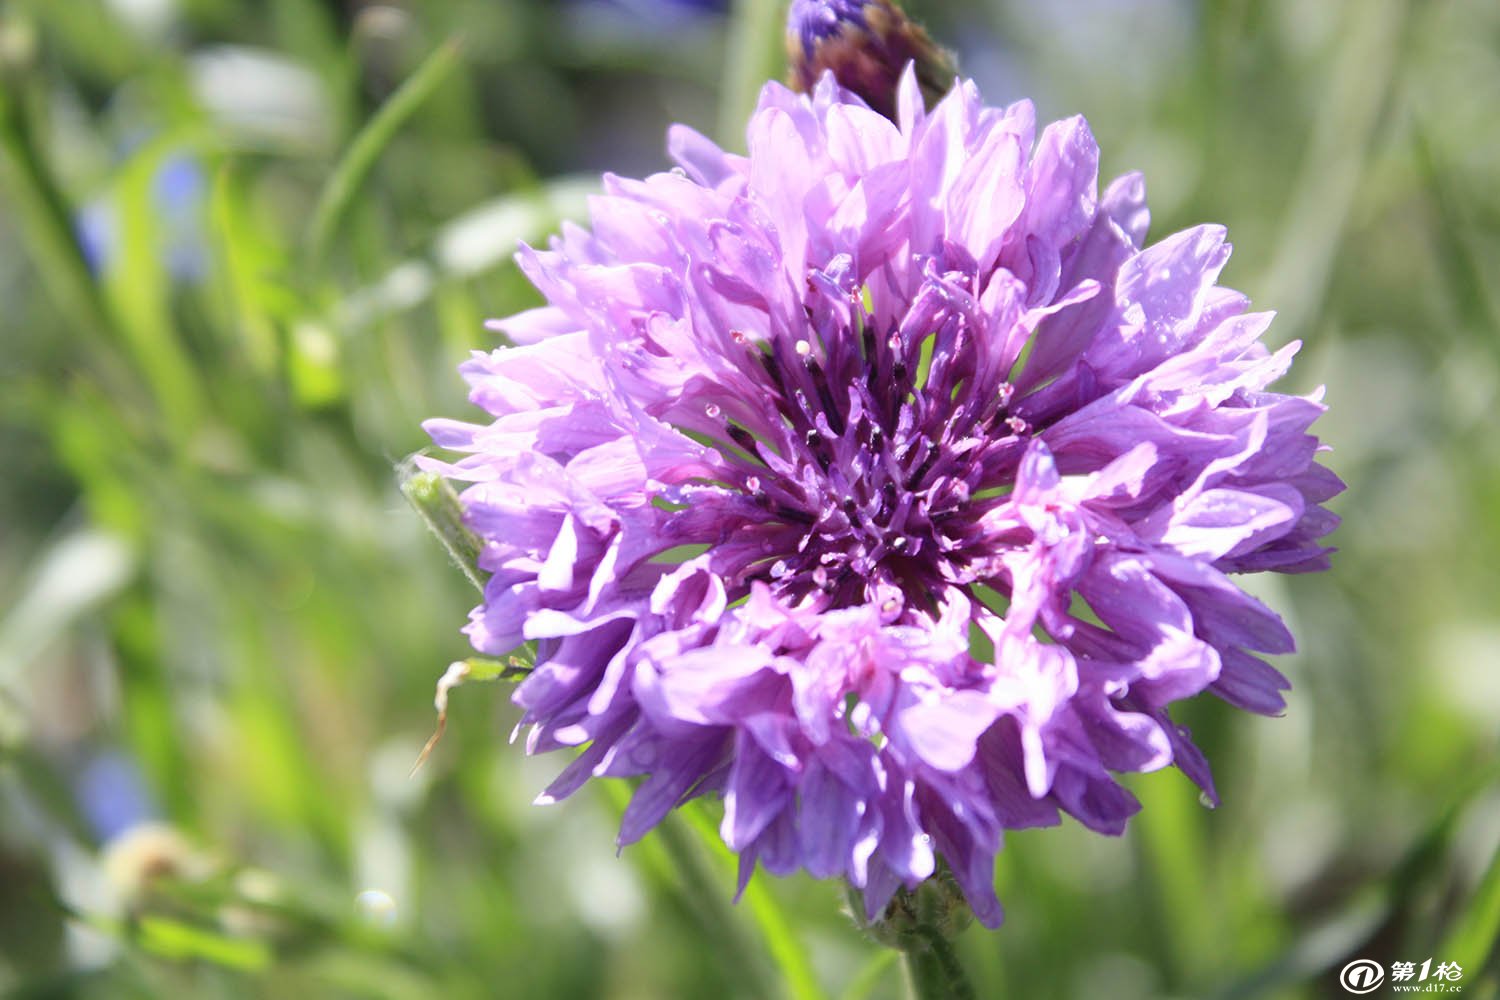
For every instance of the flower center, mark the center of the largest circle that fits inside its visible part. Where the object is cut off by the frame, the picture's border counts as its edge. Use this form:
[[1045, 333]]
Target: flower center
[[884, 449]]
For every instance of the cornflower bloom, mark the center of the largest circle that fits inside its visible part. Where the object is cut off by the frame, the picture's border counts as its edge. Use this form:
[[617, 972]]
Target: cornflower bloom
[[885, 485]]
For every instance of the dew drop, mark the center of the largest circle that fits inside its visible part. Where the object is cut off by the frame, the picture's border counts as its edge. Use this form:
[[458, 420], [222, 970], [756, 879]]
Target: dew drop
[[778, 569], [803, 348], [713, 411]]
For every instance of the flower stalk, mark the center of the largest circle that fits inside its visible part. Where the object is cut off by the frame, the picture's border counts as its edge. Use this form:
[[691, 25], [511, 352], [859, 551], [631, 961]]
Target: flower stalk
[[935, 970], [922, 924]]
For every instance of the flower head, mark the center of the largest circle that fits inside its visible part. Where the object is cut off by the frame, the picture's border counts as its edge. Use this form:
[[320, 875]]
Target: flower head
[[883, 484]]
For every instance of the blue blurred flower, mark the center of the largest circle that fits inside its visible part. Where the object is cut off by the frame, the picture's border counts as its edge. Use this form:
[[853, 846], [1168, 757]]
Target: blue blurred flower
[[111, 795], [178, 193]]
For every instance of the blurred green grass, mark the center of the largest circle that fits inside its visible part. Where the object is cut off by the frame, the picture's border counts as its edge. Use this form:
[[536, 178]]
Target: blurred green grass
[[209, 578]]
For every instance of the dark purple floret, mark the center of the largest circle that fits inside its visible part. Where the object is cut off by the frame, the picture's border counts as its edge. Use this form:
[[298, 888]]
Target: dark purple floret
[[884, 485], [815, 21], [866, 44]]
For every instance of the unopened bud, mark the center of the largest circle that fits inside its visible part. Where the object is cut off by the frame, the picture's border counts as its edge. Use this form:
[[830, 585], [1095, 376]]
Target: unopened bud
[[439, 506], [937, 906], [867, 44]]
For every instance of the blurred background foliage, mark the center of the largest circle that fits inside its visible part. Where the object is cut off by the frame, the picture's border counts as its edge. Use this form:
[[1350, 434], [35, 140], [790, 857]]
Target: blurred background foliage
[[244, 243]]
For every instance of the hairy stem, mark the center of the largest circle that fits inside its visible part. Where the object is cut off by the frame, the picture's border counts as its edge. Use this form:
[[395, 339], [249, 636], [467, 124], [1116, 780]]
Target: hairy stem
[[932, 963]]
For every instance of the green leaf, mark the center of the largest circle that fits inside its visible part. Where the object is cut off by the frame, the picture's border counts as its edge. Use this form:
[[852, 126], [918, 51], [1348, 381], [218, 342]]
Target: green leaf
[[46, 224], [781, 938], [1473, 939], [675, 855], [349, 176], [173, 939], [139, 288], [756, 54], [248, 259], [476, 668]]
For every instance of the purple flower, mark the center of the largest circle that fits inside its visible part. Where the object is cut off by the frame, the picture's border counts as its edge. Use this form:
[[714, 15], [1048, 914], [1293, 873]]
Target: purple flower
[[866, 44], [883, 485]]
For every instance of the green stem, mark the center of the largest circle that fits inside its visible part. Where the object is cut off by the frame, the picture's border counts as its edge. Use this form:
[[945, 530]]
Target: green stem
[[932, 962]]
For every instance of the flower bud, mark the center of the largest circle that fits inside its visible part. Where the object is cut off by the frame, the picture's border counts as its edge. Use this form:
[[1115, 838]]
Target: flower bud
[[439, 506], [867, 44], [909, 920]]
